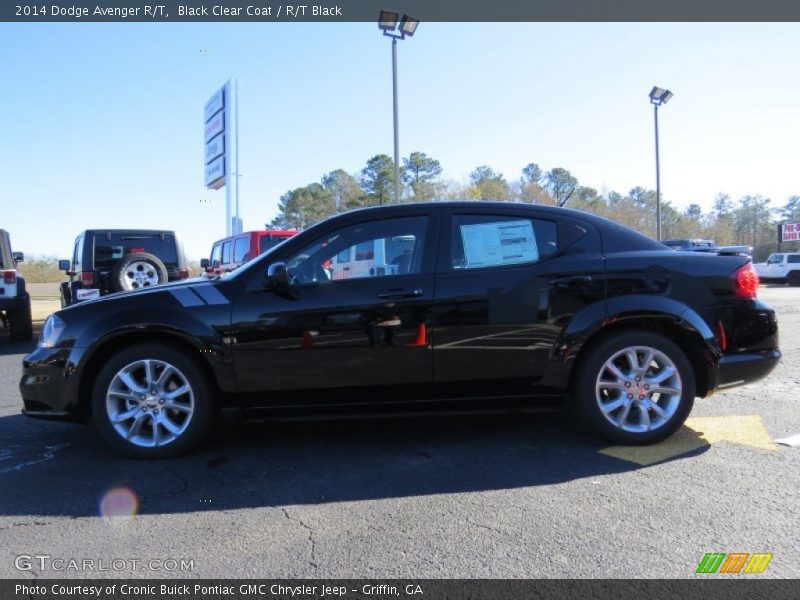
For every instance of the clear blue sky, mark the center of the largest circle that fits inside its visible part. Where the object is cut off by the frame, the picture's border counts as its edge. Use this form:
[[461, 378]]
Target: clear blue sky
[[102, 123]]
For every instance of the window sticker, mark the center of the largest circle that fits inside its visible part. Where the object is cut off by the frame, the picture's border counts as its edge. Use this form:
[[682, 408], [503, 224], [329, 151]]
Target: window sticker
[[501, 243]]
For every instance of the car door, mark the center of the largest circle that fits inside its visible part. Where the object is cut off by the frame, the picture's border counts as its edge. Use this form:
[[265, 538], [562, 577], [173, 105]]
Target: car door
[[357, 339], [507, 284]]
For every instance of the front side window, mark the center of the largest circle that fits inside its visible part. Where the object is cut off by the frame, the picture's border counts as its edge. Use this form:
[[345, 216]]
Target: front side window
[[216, 254], [481, 241], [226, 253], [374, 249], [775, 259]]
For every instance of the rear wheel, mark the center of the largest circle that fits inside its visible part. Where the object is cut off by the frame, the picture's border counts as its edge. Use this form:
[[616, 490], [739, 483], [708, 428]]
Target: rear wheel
[[152, 401], [20, 324], [635, 388], [794, 279]]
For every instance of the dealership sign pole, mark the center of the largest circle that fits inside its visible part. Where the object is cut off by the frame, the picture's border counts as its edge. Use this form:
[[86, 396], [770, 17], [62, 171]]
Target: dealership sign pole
[[220, 141]]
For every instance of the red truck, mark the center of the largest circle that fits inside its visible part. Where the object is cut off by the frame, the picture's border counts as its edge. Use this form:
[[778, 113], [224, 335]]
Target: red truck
[[233, 251]]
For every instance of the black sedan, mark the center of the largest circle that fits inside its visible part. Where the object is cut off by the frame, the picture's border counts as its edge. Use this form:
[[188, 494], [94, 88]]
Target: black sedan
[[418, 308]]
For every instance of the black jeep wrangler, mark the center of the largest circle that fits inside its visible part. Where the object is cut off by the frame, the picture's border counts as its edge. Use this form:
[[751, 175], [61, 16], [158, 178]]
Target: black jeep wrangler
[[105, 261], [15, 302]]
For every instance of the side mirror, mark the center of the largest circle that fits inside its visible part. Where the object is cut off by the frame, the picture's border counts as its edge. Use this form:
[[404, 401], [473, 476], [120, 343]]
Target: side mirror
[[278, 274], [64, 265], [18, 257], [204, 263]]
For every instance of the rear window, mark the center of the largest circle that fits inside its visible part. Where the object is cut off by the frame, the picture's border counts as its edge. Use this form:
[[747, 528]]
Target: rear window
[[110, 248]]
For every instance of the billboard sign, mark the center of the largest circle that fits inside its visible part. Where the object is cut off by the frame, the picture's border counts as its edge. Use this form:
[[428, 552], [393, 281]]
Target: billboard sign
[[215, 148], [214, 127], [215, 104], [215, 173], [790, 232], [214, 136]]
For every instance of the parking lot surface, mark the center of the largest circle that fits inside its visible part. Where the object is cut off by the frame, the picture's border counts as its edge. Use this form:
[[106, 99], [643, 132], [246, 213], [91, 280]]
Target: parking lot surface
[[495, 497]]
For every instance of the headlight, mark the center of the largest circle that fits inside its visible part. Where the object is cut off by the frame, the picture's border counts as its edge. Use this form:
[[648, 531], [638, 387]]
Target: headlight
[[52, 330]]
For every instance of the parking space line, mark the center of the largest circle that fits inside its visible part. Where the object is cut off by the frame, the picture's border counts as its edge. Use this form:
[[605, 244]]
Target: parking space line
[[697, 433]]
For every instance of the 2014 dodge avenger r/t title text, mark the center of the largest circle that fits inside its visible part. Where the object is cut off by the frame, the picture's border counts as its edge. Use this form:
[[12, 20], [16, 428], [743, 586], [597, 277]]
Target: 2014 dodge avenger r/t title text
[[422, 307]]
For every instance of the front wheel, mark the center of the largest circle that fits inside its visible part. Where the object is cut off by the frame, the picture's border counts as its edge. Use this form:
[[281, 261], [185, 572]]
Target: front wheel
[[152, 401], [635, 388]]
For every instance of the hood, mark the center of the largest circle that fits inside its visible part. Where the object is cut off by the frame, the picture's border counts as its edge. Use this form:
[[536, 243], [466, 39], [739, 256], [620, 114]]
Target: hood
[[164, 287]]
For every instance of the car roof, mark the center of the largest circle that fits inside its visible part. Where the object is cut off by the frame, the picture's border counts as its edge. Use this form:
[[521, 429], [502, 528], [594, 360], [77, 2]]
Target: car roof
[[132, 231]]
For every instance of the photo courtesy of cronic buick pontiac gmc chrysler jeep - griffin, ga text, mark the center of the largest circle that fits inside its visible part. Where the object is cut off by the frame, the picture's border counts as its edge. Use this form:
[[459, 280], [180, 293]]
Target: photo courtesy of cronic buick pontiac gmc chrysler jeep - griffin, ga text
[[412, 309]]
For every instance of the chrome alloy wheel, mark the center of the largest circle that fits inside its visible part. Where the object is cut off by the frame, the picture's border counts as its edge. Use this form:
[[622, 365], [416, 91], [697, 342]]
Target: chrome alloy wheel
[[149, 403], [638, 389], [140, 274]]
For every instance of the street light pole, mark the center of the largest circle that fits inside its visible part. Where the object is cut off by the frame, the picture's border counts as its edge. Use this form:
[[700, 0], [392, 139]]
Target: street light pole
[[658, 96], [396, 28], [658, 177], [396, 124]]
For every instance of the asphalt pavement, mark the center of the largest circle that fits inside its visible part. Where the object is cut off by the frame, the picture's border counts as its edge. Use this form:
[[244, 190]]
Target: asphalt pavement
[[496, 497]]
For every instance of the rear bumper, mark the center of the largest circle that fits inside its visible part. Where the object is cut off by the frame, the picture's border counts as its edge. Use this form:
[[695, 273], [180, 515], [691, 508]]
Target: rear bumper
[[14, 302], [741, 369]]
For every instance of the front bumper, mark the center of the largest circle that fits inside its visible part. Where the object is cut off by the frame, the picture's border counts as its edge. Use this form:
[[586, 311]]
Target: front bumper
[[744, 368], [49, 384]]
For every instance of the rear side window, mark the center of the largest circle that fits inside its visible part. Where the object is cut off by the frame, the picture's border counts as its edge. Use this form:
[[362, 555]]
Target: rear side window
[[240, 249], [267, 242], [109, 248], [794, 258], [481, 241], [77, 257], [226, 253]]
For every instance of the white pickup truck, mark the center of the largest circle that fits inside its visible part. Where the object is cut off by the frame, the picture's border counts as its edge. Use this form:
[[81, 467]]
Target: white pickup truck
[[15, 303], [781, 267]]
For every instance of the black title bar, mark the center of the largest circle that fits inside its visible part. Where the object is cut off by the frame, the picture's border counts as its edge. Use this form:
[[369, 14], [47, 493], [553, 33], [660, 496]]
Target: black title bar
[[266, 11], [393, 589]]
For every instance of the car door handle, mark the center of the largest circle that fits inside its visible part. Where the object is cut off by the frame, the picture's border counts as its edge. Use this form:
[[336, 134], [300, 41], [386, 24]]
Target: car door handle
[[400, 294], [572, 280]]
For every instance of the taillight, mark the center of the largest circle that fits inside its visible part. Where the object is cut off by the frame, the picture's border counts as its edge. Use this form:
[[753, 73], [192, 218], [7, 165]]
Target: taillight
[[183, 273], [745, 282], [9, 277], [87, 278]]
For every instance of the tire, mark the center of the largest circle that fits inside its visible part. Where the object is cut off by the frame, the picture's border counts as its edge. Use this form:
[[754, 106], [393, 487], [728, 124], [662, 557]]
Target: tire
[[794, 279], [20, 324], [136, 271], [597, 385], [146, 426]]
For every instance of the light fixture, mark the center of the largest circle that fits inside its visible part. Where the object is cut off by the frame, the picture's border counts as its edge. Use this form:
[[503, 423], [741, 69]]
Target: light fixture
[[387, 20], [660, 95], [408, 25]]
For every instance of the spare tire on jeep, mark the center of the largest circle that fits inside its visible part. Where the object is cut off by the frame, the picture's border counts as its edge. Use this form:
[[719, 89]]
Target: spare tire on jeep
[[138, 270]]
